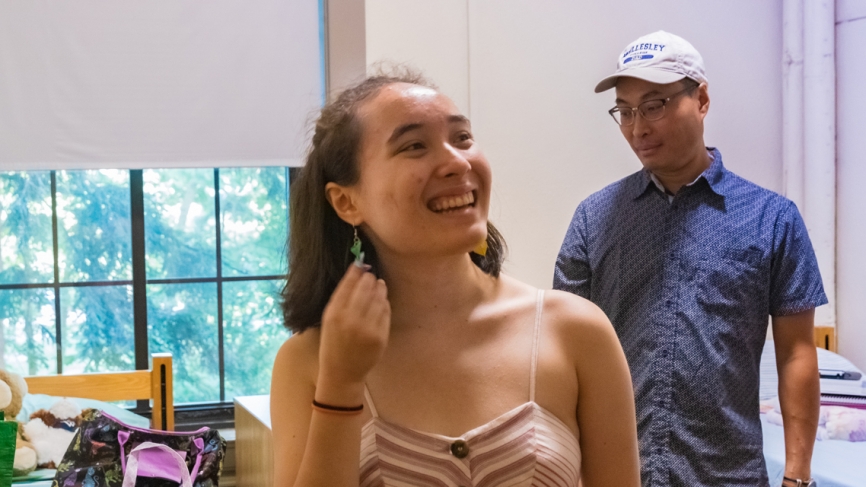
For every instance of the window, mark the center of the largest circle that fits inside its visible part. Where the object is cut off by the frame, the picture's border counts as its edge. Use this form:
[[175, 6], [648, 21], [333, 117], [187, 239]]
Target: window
[[100, 268]]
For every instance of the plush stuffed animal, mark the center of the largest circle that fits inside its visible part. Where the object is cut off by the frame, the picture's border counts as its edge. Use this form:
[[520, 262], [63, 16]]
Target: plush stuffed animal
[[12, 392], [25, 455], [51, 431]]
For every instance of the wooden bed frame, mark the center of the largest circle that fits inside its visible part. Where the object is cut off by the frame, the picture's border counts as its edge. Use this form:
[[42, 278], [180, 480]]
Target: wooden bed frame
[[154, 384]]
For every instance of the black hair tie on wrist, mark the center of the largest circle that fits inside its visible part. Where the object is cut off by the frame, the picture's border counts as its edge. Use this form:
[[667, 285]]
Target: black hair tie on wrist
[[327, 408]]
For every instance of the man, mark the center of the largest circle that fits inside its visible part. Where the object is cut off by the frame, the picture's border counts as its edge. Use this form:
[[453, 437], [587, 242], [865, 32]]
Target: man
[[688, 260]]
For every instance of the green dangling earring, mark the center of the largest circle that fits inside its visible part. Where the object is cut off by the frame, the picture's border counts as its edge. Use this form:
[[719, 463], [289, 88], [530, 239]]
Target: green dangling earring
[[356, 248]]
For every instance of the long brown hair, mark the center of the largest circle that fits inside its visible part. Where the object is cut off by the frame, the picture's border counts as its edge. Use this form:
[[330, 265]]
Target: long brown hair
[[319, 240]]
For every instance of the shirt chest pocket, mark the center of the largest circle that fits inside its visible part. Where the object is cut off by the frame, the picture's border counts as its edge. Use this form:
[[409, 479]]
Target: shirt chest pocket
[[734, 283]]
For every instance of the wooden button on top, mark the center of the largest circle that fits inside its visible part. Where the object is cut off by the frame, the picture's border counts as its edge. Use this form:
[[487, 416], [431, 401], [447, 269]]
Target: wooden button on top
[[459, 449]]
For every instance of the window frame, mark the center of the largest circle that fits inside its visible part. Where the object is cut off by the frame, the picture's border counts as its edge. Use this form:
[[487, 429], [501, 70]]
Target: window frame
[[218, 414]]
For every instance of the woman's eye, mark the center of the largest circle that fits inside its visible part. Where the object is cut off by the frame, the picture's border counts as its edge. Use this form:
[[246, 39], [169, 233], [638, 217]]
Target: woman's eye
[[463, 137], [413, 147]]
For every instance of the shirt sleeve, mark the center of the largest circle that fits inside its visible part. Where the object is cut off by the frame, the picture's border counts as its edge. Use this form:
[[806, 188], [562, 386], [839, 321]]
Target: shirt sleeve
[[795, 280], [573, 272]]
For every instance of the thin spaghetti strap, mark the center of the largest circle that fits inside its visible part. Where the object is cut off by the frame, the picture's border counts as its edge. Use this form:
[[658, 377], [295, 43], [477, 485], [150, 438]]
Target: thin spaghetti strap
[[535, 333], [370, 402]]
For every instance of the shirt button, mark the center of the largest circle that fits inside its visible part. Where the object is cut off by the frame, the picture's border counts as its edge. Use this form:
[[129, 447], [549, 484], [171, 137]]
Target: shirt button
[[459, 449], [664, 353], [669, 303]]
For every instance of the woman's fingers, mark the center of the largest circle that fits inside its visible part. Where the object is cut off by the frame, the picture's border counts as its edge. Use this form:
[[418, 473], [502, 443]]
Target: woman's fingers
[[381, 307], [362, 296], [347, 284], [357, 303], [346, 304], [355, 327]]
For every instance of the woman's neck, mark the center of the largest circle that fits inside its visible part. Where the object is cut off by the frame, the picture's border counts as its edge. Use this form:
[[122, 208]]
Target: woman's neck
[[433, 288]]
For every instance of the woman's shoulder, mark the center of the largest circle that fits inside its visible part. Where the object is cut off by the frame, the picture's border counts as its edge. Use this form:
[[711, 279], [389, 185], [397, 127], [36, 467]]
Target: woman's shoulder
[[582, 328], [568, 315], [572, 312], [576, 320], [299, 355]]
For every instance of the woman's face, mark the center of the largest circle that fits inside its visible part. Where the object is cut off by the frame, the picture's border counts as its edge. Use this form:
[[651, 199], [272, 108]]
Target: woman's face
[[424, 185]]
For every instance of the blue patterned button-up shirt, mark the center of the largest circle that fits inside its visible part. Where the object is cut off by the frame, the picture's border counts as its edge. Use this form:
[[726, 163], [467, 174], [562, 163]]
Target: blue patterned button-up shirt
[[689, 285]]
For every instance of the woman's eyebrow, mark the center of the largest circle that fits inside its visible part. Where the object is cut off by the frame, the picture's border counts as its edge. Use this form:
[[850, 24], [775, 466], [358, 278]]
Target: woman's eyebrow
[[402, 129], [458, 119], [408, 127]]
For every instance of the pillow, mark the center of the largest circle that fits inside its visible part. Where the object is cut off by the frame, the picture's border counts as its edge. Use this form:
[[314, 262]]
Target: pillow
[[35, 402]]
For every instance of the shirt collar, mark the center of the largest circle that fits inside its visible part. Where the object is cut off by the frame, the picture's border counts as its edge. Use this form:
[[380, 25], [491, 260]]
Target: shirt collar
[[715, 175]]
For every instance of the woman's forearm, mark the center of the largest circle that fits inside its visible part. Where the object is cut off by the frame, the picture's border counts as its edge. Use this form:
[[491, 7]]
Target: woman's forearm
[[332, 454], [333, 449]]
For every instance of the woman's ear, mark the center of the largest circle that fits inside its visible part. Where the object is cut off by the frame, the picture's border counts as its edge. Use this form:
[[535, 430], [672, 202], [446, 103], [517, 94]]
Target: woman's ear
[[342, 199]]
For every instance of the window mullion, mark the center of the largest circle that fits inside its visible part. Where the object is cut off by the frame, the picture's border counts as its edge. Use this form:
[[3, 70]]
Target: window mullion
[[58, 332], [219, 283], [139, 271]]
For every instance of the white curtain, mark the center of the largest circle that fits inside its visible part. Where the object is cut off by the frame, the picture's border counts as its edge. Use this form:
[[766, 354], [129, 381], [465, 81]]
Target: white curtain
[[157, 83]]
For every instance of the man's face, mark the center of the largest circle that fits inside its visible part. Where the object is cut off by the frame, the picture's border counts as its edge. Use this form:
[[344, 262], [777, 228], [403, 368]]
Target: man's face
[[669, 144]]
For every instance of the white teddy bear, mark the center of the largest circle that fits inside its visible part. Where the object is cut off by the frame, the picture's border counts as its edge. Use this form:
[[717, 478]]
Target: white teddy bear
[[52, 440]]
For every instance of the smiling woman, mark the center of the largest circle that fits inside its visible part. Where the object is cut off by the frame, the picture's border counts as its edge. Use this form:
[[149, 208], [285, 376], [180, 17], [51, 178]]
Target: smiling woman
[[452, 373], [319, 250]]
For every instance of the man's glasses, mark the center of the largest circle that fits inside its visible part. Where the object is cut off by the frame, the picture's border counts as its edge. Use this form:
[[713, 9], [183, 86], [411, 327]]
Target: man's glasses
[[650, 110]]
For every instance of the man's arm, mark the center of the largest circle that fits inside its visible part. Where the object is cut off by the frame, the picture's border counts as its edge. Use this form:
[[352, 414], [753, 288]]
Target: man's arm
[[572, 272], [799, 389]]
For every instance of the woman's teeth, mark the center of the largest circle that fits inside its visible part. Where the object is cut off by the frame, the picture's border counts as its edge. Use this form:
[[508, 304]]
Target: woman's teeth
[[450, 202]]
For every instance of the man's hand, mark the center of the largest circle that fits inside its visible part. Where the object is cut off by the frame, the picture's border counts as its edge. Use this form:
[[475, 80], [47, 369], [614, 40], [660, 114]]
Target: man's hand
[[799, 389]]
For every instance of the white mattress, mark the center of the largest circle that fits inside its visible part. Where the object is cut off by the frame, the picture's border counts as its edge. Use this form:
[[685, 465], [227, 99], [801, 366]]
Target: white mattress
[[835, 463]]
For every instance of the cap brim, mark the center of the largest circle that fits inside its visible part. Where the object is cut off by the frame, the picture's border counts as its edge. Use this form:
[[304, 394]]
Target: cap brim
[[653, 75]]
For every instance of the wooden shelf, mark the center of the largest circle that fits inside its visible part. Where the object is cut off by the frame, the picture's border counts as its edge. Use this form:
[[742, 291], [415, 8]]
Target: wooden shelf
[[254, 457]]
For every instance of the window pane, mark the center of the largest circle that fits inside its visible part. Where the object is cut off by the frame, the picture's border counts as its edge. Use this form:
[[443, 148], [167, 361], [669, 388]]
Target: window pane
[[254, 221], [94, 225], [28, 345], [253, 332], [97, 326], [182, 319], [179, 223], [26, 247]]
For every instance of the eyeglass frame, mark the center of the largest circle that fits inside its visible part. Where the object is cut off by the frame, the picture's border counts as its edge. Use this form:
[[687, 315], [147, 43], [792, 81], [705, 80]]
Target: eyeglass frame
[[637, 109]]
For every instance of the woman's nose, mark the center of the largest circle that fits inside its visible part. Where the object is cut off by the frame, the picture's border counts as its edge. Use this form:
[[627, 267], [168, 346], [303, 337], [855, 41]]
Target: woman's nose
[[454, 162]]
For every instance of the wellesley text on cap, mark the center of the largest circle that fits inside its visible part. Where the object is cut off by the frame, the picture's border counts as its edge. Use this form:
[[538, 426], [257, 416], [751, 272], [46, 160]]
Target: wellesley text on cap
[[660, 57], [642, 47]]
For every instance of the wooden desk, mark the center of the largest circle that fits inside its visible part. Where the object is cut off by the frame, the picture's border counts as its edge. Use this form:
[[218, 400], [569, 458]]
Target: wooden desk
[[254, 457]]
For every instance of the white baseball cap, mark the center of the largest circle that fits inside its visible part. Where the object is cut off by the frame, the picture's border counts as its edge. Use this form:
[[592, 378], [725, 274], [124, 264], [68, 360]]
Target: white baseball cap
[[660, 57]]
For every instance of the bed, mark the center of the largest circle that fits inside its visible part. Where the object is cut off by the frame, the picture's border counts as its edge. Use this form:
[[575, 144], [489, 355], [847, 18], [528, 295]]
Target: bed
[[97, 391], [835, 463]]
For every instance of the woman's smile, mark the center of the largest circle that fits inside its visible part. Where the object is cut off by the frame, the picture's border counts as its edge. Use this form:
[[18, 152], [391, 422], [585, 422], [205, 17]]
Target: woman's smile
[[450, 204]]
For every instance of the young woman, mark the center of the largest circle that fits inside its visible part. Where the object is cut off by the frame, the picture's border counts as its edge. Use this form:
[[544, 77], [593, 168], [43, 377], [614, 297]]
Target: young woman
[[424, 365]]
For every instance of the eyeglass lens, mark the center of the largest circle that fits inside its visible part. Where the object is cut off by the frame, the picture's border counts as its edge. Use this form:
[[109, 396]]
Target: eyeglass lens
[[650, 110]]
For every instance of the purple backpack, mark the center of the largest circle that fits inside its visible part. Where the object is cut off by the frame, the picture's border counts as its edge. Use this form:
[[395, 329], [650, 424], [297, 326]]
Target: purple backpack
[[108, 453]]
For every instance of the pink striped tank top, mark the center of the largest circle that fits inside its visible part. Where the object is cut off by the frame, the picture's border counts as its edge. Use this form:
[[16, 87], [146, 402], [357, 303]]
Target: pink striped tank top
[[527, 446]]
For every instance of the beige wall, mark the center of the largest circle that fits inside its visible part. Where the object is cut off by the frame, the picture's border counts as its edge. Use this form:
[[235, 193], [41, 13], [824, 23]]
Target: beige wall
[[345, 41], [429, 36], [851, 172], [525, 72]]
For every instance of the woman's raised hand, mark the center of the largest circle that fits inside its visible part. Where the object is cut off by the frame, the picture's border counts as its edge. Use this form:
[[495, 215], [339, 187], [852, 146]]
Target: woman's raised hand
[[355, 327]]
